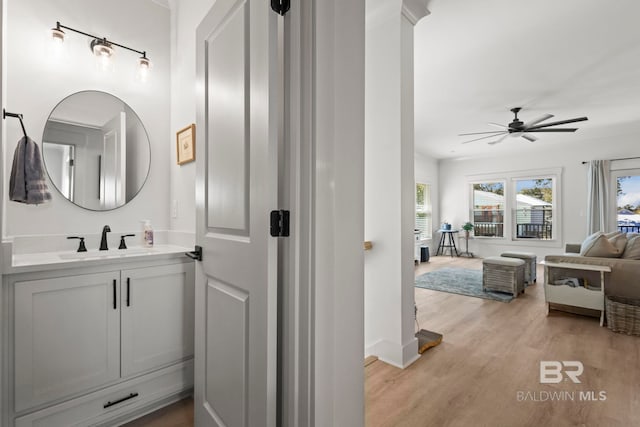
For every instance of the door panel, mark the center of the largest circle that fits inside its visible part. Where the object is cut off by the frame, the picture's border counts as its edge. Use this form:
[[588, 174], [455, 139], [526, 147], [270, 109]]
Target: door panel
[[83, 314], [157, 317], [227, 388], [227, 181], [236, 183]]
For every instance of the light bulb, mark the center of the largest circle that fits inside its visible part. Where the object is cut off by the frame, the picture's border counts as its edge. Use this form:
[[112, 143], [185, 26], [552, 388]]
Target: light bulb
[[104, 61], [57, 41], [57, 36], [103, 51], [144, 65]]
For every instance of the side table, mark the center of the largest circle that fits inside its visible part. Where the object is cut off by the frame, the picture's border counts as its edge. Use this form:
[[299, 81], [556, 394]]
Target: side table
[[447, 244], [578, 296]]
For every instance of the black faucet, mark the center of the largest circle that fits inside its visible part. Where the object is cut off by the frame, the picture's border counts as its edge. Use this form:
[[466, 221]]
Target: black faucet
[[81, 247], [103, 241]]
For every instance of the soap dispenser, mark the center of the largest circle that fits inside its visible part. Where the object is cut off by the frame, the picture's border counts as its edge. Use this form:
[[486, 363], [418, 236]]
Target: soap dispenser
[[147, 233]]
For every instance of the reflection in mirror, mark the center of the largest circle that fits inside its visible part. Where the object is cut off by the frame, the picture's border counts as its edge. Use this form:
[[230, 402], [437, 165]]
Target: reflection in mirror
[[96, 150]]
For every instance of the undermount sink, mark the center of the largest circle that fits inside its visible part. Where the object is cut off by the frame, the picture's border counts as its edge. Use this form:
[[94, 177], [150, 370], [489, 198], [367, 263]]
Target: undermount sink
[[112, 253]]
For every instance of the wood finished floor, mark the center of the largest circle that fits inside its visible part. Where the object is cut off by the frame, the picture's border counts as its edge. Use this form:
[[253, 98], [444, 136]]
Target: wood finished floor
[[179, 414], [490, 352]]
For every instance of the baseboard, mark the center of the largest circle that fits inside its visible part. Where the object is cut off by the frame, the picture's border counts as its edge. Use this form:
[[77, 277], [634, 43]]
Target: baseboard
[[394, 354], [369, 360], [410, 352]]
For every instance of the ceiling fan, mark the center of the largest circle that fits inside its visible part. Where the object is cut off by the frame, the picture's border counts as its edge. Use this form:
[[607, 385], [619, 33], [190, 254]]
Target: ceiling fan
[[518, 128]]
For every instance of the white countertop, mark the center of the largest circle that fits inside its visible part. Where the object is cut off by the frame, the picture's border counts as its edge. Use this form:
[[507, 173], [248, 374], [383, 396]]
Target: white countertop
[[31, 262]]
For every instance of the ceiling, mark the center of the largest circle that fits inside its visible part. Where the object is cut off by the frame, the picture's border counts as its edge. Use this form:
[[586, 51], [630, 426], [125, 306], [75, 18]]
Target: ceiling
[[88, 108], [475, 60]]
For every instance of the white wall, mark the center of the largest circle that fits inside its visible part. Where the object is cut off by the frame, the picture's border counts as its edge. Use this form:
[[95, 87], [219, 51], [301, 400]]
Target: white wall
[[390, 180], [383, 196], [185, 18], [36, 80], [426, 172], [609, 143]]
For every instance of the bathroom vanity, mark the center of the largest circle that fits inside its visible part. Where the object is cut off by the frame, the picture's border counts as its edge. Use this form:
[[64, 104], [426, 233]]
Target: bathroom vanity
[[96, 338]]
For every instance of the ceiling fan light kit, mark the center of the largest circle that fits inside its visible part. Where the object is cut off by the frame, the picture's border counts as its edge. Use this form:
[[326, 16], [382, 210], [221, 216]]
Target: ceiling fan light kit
[[518, 128]]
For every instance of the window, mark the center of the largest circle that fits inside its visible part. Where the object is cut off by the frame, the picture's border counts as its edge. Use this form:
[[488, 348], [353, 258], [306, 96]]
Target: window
[[488, 209], [628, 202], [519, 205], [423, 209], [534, 208]]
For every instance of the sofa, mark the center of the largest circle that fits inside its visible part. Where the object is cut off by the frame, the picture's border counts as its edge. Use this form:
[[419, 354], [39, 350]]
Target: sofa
[[624, 279]]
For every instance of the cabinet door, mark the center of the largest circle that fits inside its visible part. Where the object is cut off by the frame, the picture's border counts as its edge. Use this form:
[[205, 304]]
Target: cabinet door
[[157, 316], [67, 336]]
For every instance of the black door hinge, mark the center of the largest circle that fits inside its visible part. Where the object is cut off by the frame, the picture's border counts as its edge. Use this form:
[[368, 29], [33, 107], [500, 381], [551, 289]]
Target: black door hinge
[[280, 223], [280, 6]]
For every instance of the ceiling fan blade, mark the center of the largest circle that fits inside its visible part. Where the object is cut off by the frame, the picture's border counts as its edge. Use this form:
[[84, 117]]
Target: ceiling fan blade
[[553, 130], [497, 141], [485, 137], [498, 125], [538, 120], [561, 122], [529, 138], [480, 133]]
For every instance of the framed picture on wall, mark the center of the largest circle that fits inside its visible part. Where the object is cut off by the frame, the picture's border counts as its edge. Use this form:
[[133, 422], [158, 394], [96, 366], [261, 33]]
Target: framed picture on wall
[[186, 144]]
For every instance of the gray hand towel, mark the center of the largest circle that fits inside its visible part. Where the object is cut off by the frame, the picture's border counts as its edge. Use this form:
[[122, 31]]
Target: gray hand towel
[[27, 183]]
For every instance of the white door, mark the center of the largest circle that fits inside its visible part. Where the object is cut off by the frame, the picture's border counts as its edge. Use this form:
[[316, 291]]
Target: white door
[[113, 163], [67, 336], [157, 317], [236, 290]]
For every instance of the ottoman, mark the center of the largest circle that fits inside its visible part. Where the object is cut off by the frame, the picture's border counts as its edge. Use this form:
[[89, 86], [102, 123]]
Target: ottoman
[[529, 266], [503, 274]]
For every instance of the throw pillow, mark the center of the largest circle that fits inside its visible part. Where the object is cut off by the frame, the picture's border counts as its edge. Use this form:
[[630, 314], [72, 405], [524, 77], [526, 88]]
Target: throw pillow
[[619, 241], [589, 241], [632, 250], [597, 245]]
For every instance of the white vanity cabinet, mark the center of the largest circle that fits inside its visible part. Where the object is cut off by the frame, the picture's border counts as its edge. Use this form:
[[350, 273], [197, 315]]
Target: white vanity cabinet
[[91, 347]]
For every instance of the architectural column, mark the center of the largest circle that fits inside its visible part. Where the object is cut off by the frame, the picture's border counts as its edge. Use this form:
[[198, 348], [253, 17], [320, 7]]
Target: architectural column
[[389, 180]]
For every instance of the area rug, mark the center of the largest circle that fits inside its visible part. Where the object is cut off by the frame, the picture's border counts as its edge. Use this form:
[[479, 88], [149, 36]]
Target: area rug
[[459, 281]]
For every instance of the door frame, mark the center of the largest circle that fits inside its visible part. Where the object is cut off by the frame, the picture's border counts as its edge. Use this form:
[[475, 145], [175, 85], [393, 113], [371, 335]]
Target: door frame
[[322, 327], [4, 312]]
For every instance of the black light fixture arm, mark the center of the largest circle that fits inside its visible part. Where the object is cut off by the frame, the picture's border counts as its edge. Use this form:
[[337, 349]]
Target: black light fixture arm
[[104, 39], [6, 114]]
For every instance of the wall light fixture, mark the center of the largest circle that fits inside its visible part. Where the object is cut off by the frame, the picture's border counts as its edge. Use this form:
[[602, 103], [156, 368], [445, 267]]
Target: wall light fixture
[[103, 48]]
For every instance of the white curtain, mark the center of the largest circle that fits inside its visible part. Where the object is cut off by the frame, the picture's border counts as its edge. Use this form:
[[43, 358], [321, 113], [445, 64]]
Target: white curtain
[[598, 196]]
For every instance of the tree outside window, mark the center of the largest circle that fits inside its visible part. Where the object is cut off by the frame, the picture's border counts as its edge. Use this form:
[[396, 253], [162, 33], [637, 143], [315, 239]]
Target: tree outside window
[[423, 209], [534, 208], [628, 203], [488, 209]]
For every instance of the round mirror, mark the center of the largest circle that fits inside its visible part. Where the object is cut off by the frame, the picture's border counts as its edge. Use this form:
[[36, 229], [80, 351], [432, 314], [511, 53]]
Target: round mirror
[[96, 150]]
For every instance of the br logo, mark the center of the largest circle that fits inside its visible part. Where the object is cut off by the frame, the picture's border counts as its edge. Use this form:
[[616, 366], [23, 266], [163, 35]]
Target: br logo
[[553, 371]]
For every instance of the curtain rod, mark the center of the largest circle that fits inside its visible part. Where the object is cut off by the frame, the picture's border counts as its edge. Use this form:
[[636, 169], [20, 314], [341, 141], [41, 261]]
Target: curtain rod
[[613, 160]]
